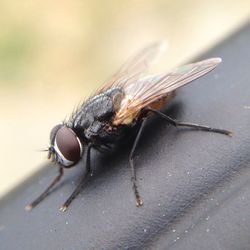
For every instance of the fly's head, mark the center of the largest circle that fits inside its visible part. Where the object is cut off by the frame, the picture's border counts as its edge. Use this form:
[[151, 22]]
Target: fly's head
[[65, 147]]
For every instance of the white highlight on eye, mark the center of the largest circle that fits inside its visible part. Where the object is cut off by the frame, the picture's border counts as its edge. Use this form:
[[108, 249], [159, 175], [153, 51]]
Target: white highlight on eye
[[80, 144], [61, 158]]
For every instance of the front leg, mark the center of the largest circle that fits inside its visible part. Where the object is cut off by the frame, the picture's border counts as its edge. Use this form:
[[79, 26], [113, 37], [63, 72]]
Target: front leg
[[83, 180], [46, 192]]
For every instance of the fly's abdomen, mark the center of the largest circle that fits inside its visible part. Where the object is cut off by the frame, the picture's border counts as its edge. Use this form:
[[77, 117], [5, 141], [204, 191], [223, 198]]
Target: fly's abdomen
[[162, 101]]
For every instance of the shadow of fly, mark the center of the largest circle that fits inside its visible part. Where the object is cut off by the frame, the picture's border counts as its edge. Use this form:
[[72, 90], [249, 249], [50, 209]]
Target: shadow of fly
[[122, 102]]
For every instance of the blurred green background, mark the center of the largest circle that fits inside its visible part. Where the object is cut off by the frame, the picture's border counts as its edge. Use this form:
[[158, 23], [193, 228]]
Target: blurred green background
[[54, 53]]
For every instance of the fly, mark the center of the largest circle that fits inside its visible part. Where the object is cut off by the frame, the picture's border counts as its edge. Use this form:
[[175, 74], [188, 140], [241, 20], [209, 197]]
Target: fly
[[124, 101]]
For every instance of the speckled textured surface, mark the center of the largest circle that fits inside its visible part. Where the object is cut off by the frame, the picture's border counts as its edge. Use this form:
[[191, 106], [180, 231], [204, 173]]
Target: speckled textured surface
[[195, 185]]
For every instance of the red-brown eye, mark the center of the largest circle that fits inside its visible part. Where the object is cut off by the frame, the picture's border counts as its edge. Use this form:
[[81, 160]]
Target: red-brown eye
[[67, 146]]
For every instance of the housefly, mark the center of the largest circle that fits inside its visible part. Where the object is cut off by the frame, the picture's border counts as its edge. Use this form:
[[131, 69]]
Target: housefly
[[123, 102]]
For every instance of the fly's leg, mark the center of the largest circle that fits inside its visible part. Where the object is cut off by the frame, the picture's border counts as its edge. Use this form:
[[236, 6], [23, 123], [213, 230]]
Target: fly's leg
[[64, 207], [139, 201], [191, 125], [46, 192]]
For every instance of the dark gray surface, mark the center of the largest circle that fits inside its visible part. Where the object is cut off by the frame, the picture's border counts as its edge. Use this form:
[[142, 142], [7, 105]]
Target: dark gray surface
[[195, 185]]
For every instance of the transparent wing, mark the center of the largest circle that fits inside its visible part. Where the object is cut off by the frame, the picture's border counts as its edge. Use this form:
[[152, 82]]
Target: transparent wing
[[152, 88], [134, 68]]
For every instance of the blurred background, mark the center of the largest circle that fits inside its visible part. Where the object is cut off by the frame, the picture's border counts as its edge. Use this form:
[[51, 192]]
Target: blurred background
[[54, 53]]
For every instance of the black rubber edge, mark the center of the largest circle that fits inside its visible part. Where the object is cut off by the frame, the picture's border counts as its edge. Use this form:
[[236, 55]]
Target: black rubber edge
[[195, 185]]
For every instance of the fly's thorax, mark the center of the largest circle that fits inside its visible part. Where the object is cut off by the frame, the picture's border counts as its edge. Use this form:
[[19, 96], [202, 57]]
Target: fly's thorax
[[66, 146], [94, 131], [106, 103], [98, 108]]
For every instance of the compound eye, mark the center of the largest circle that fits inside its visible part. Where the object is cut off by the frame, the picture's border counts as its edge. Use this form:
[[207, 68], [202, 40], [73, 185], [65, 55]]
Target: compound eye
[[67, 146]]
